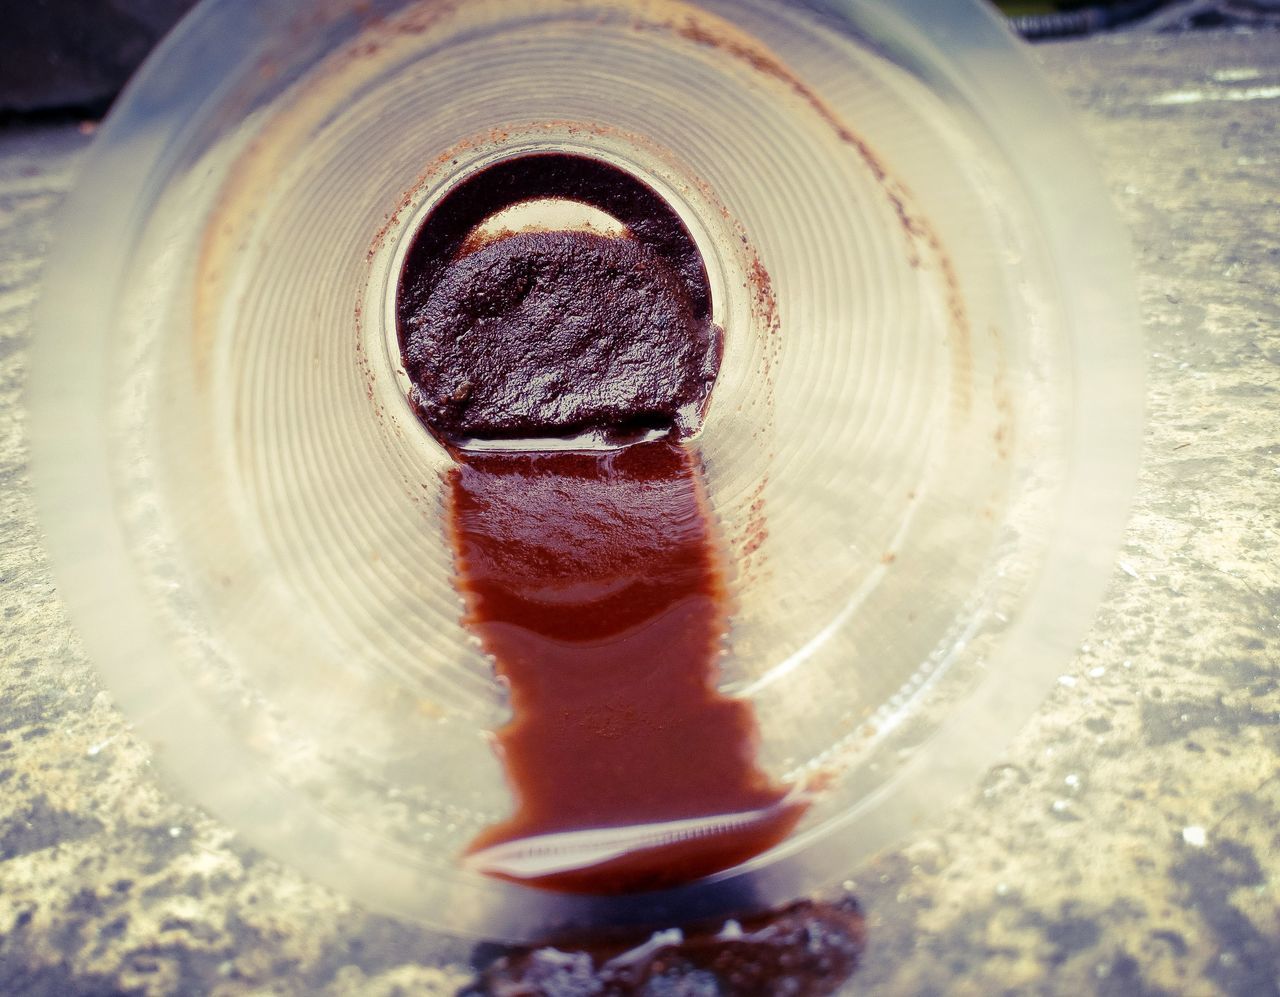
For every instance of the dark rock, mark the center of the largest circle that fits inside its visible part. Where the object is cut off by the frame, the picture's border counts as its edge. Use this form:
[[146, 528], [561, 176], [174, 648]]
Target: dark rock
[[74, 55]]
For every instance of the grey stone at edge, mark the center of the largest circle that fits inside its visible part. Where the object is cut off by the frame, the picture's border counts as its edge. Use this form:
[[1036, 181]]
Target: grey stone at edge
[[1125, 843], [76, 54]]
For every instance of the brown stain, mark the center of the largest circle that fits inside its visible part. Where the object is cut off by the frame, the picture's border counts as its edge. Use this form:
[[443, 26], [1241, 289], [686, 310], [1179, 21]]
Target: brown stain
[[820, 780], [764, 302], [961, 333], [749, 540], [1003, 398], [754, 542]]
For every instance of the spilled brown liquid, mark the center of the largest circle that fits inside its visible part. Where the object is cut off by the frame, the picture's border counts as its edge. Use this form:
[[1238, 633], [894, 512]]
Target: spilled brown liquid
[[594, 581], [592, 577]]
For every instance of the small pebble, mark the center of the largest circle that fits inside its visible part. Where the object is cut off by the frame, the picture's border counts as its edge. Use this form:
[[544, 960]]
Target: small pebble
[[1194, 836]]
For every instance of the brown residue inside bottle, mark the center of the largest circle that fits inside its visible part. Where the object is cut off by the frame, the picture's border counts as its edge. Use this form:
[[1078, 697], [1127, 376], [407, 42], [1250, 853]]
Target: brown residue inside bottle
[[584, 547]]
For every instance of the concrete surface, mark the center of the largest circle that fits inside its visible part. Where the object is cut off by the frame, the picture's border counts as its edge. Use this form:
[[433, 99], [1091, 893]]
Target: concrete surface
[[1128, 843]]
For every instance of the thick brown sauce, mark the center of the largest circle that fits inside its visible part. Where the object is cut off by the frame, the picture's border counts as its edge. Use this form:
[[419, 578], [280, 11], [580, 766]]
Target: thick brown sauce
[[543, 334], [595, 583], [593, 578]]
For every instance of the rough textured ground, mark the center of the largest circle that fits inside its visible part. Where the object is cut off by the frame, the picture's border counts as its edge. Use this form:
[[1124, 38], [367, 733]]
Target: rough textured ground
[[1128, 842]]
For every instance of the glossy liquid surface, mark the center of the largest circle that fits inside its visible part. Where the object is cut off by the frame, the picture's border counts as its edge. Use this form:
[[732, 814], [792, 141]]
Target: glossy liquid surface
[[595, 583]]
